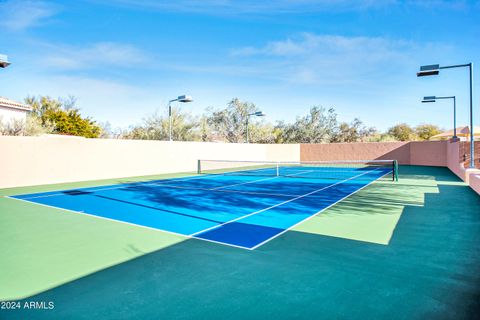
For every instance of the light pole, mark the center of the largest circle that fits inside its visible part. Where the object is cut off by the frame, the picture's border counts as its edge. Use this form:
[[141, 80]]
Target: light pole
[[4, 61], [183, 99], [257, 114], [435, 98], [434, 69]]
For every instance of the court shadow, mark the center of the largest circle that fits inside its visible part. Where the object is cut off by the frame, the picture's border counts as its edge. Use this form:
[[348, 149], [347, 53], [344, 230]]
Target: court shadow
[[430, 269]]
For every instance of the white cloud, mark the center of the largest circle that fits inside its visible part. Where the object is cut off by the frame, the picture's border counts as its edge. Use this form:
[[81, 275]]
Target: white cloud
[[279, 48], [270, 7], [21, 15], [308, 44], [98, 54], [264, 7], [312, 58]]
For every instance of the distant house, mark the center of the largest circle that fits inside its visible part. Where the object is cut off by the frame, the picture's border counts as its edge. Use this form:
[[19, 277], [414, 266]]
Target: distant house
[[12, 110]]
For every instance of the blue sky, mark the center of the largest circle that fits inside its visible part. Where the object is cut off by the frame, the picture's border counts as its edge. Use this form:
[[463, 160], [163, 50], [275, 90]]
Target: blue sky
[[124, 59]]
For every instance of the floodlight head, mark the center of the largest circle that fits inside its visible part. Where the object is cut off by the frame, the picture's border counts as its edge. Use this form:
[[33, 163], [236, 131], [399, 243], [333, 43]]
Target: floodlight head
[[184, 98], [260, 114], [429, 99], [427, 73], [4, 61], [430, 70]]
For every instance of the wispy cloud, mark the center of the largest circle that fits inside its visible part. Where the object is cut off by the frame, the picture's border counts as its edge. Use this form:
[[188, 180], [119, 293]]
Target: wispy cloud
[[94, 55], [442, 4], [312, 58], [251, 6], [272, 7], [21, 15], [326, 47]]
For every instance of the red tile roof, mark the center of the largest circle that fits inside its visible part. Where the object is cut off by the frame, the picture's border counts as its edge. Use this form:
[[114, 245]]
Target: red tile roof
[[7, 103]]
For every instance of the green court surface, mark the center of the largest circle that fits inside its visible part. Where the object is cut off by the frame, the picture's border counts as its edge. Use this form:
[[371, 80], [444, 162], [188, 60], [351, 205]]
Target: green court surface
[[403, 250]]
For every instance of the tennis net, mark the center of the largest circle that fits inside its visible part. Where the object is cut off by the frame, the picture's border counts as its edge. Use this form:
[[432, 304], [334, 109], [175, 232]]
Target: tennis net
[[341, 170]]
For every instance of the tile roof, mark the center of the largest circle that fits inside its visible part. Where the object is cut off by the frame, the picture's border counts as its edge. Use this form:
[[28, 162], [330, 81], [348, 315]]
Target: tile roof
[[7, 103]]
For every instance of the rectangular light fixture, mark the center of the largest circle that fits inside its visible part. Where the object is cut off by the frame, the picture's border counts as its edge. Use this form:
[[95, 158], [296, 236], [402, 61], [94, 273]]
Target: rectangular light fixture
[[429, 70], [4, 61]]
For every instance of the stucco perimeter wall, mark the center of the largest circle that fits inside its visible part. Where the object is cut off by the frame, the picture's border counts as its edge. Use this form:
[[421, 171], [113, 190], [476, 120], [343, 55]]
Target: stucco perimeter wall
[[356, 151], [45, 160], [453, 159], [282, 152], [474, 182], [455, 164], [422, 153], [465, 153], [428, 153]]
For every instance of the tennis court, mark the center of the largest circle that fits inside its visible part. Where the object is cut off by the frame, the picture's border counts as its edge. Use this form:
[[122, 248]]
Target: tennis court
[[237, 203], [406, 249]]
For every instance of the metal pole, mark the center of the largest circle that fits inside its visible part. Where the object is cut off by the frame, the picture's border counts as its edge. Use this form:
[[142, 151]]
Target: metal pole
[[170, 120], [454, 118], [472, 141], [248, 116]]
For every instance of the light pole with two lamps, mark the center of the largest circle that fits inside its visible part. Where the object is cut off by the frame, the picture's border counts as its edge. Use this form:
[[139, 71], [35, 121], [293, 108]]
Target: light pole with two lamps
[[183, 99], [435, 98], [434, 69]]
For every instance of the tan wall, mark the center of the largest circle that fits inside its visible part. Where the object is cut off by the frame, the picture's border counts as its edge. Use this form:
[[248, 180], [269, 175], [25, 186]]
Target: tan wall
[[55, 159], [475, 182], [453, 159], [428, 153], [282, 152], [465, 153], [45, 160], [356, 151], [9, 115], [456, 165], [423, 153]]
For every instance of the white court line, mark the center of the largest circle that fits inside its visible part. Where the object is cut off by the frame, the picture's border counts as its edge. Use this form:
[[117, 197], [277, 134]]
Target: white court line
[[239, 184], [254, 181], [313, 215], [127, 223], [95, 216], [229, 191], [296, 174], [192, 236], [279, 204], [124, 185], [118, 186]]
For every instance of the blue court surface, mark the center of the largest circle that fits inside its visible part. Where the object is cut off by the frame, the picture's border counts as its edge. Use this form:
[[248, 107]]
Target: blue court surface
[[244, 211]]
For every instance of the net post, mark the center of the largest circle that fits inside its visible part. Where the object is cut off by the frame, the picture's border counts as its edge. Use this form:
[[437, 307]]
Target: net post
[[199, 168], [278, 170], [395, 170]]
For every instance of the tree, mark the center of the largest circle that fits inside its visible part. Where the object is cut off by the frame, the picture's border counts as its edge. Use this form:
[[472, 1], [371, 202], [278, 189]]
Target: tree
[[278, 134], [31, 126], [107, 132], [156, 127], [426, 131], [262, 133], [62, 117], [204, 130], [354, 132], [229, 123], [317, 126], [402, 132], [380, 137]]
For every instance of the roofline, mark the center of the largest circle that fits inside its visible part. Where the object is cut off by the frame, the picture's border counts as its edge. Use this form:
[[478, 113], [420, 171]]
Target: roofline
[[8, 103]]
